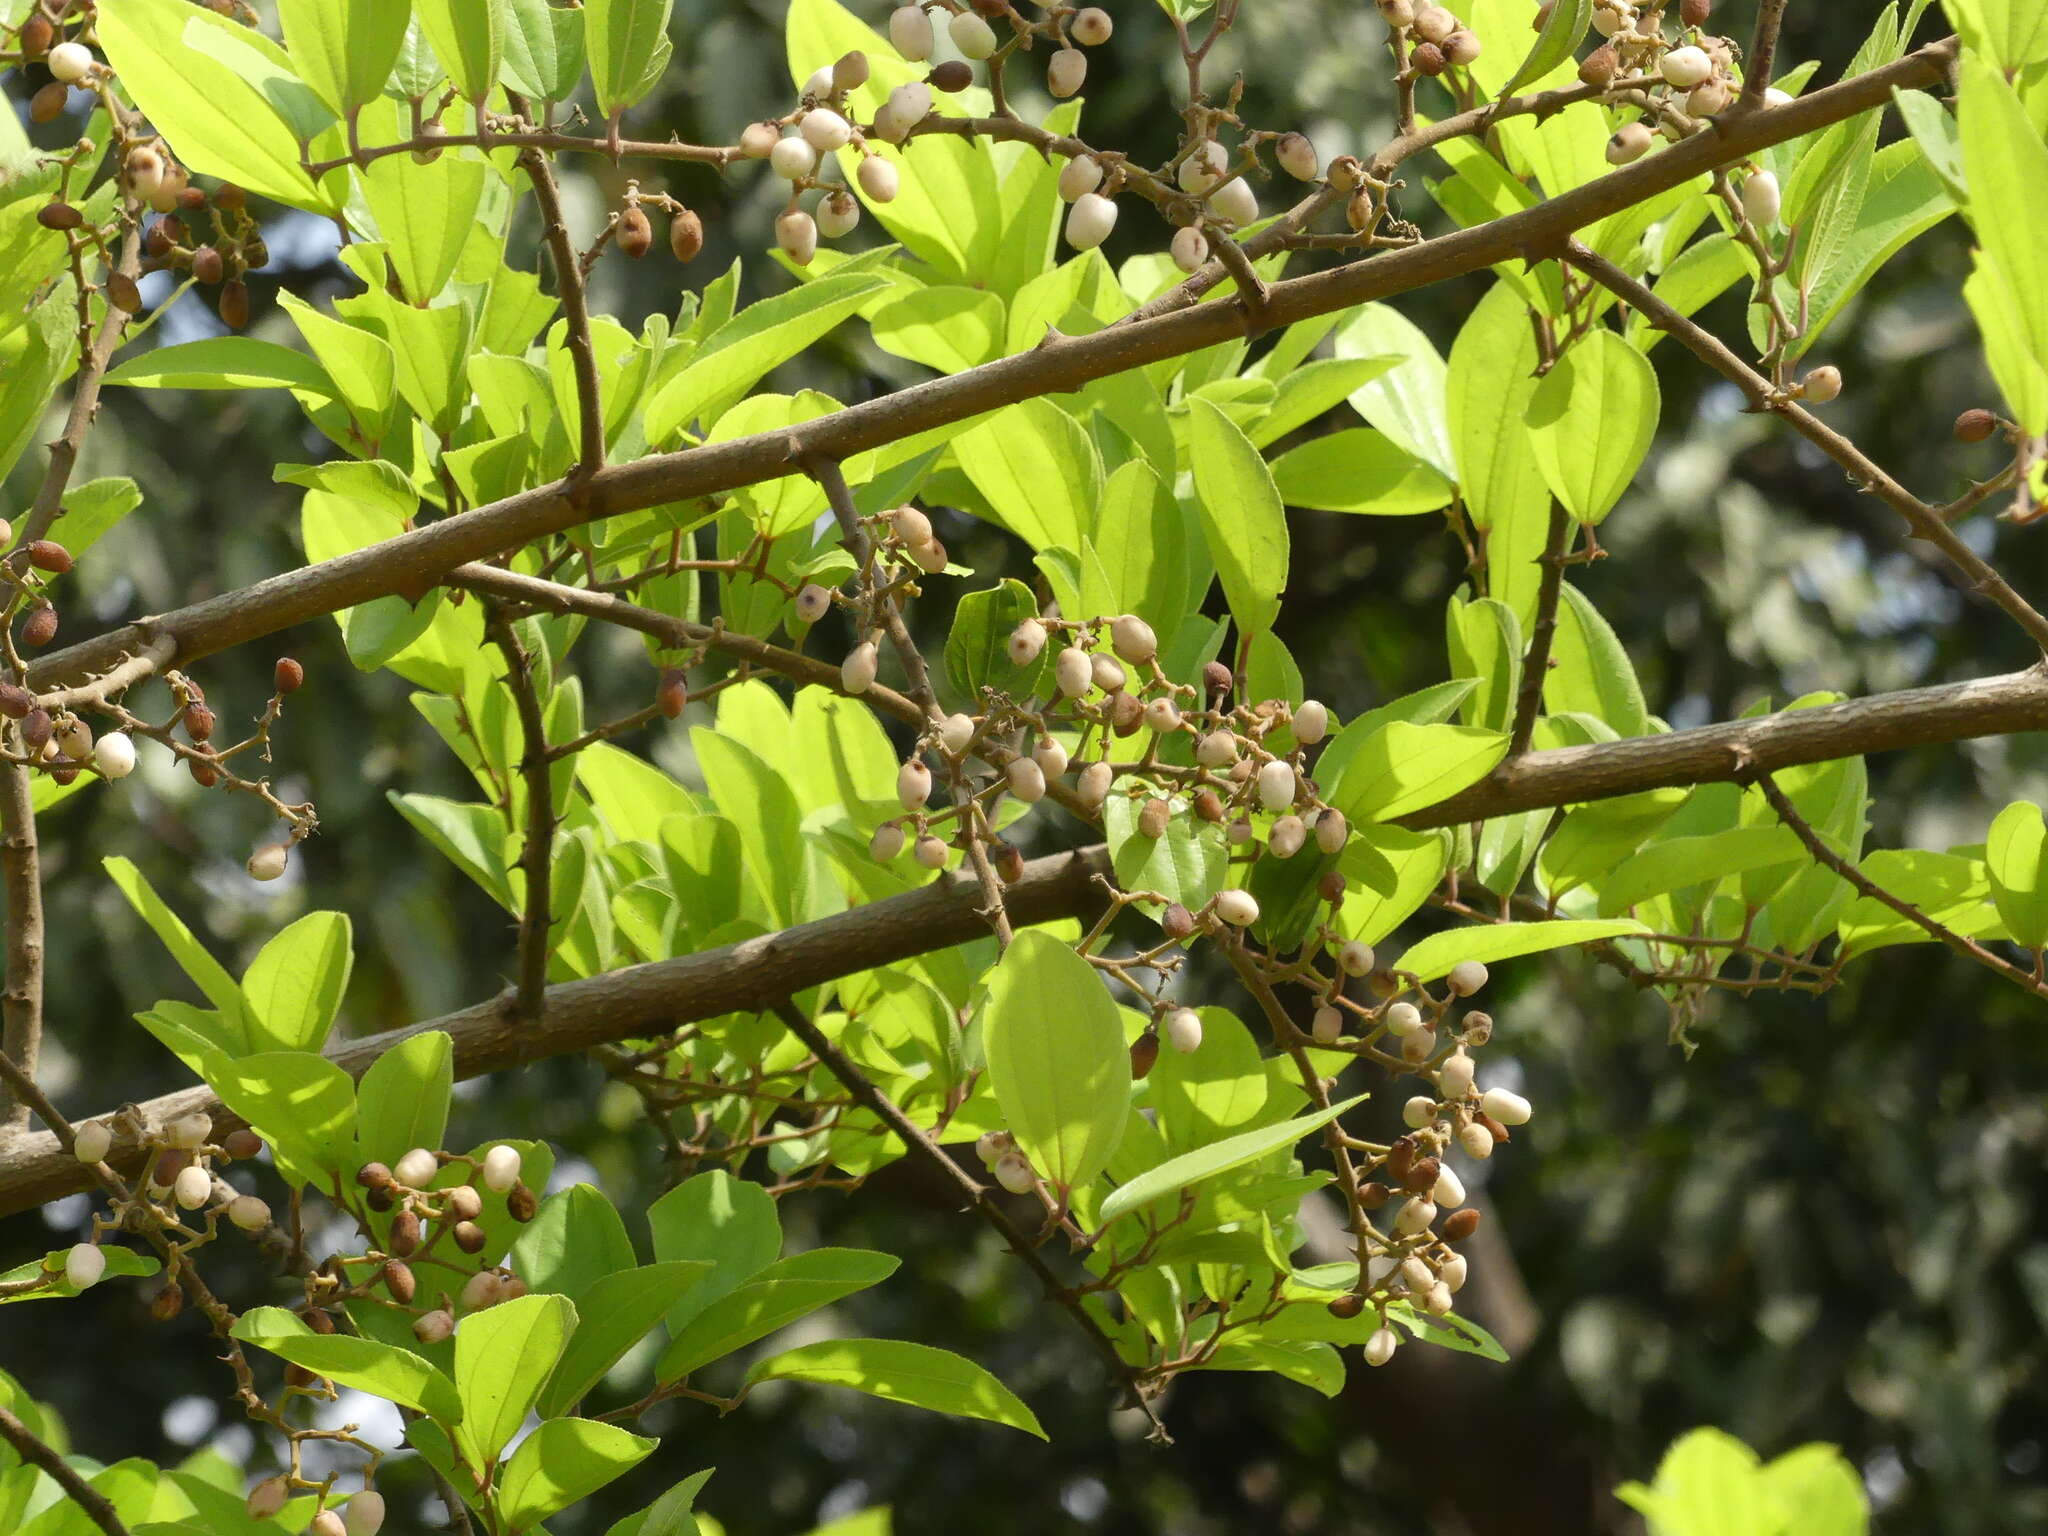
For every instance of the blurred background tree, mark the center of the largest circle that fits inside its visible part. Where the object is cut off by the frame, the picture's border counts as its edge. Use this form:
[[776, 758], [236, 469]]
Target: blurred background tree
[[1809, 1220]]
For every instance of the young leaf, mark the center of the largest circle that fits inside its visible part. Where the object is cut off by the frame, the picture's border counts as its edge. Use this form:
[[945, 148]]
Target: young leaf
[[1358, 470], [503, 1357], [573, 1241], [425, 214], [1591, 421], [2015, 853], [730, 1223], [616, 1312], [1037, 469], [1057, 1058], [1177, 1173], [381, 1369], [1242, 516], [206, 973], [1407, 402], [1590, 670], [295, 983], [1402, 768], [1488, 942], [468, 36], [345, 48], [977, 651], [668, 1515], [562, 1461], [900, 1372], [780, 1294], [1185, 863], [1564, 28], [302, 1104], [224, 362], [402, 1101], [620, 37]]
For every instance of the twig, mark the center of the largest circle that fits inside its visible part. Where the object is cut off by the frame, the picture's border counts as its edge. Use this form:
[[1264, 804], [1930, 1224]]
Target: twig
[[1758, 63], [22, 1003], [1924, 521], [1550, 588], [536, 858], [978, 1196], [575, 312], [1970, 949], [77, 1489]]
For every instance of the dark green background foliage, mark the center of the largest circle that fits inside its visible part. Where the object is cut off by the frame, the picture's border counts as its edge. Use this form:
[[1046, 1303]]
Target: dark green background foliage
[[1830, 1221]]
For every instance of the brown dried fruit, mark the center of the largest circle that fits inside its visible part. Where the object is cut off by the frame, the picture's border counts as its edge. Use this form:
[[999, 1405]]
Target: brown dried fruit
[[1126, 714], [191, 199], [1974, 426], [635, 233], [36, 729], [199, 721], [1347, 1306], [1009, 862], [1144, 1054], [1459, 1225], [242, 1145], [49, 555], [1372, 1196], [228, 195], [1401, 1159], [470, 1237], [521, 1204], [15, 701], [686, 235], [318, 1319], [951, 76], [1600, 66], [234, 305], [400, 1281], [1421, 1176], [59, 215], [1177, 922], [287, 676], [299, 1377], [37, 33], [207, 266], [377, 1199], [168, 1302], [464, 1203], [1331, 886], [672, 693], [1216, 678], [1694, 13], [1427, 59], [123, 293], [48, 102], [1208, 805], [405, 1232], [63, 770]]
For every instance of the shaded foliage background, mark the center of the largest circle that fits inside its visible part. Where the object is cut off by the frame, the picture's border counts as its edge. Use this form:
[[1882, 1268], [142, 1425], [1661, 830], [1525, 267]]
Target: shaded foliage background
[[1829, 1220]]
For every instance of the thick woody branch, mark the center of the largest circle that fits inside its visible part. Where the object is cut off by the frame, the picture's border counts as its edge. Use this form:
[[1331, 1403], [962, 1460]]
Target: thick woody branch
[[414, 562], [1761, 60], [1740, 751], [640, 1000], [1924, 521], [88, 1498], [21, 1005], [536, 857]]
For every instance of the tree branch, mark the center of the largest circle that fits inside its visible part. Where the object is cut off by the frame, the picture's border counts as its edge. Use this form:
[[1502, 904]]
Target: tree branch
[[977, 1195], [1762, 57], [638, 1001], [1736, 751], [413, 562], [536, 857], [76, 1488], [1536, 663], [575, 312], [21, 1037], [1924, 521], [1969, 949]]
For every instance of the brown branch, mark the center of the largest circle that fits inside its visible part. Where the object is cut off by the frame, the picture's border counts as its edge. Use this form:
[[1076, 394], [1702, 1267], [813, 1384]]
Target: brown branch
[[1762, 57], [536, 857], [978, 1196], [21, 1037], [1735, 751], [640, 1000], [547, 142], [415, 561], [1924, 521], [575, 312], [1970, 949], [77, 1489], [1550, 588]]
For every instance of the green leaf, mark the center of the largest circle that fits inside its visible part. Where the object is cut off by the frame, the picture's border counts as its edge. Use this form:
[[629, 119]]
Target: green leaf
[[503, 1357], [121, 1261], [543, 49], [1590, 671], [224, 362], [762, 336], [1488, 942], [426, 213], [1591, 421], [384, 1370], [2016, 853], [1187, 863], [1407, 402], [1057, 1059], [977, 651], [1177, 1173], [614, 1314], [775, 1297], [402, 1101], [303, 1105], [1358, 470], [1308, 390], [2006, 162], [1819, 1492], [91, 510], [1699, 274], [620, 36], [1037, 469], [562, 1461], [2010, 33], [730, 1223], [1402, 768], [295, 983], [900, 1372], [669, 1515], [1678, 862], [1707, 1485], [1564, 28], [1951, 888], [205, 972], [574, 1240], [192, 73], [468, 36], [948, 328], [1242, 516], [345, 49]]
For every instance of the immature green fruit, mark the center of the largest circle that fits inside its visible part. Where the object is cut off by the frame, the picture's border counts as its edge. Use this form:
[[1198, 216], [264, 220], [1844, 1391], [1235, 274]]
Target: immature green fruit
[[1630, 143], [910, 32], [267, 1498], [1091, 27], [635, 233], [417, 1168], [1067, 73], [84, 1265], [93, 1141]]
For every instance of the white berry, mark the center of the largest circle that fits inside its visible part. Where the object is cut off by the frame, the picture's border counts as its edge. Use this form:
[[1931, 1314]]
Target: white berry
[[857, 672], [84, 1265], [910, 32], [1686, 67], [1506, 1107], [1090, 220], [501, 1168], [975, 38], [1184, 1030], [114, 755], [69, 62], [268, 862], [1237, 907], [94, 1141]]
